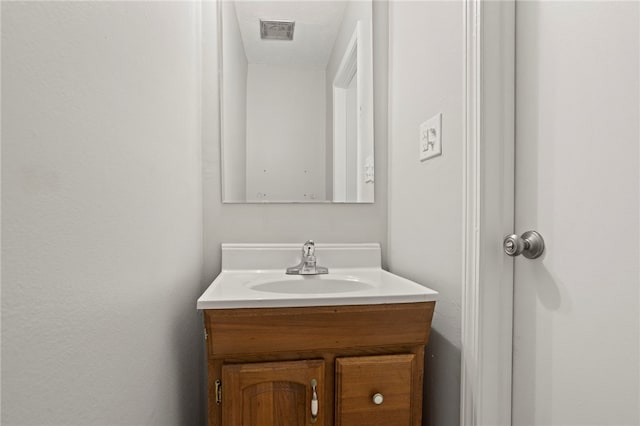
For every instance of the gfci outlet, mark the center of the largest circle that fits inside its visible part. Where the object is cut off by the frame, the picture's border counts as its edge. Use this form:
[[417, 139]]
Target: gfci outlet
[[431, 138]]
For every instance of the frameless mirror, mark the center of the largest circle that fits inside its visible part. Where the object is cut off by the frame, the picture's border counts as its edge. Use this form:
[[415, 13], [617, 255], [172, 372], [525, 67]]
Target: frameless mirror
[[296, 101]]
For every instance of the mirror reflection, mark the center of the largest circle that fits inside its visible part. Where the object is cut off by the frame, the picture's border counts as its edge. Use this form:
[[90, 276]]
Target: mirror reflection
[[296, 101]]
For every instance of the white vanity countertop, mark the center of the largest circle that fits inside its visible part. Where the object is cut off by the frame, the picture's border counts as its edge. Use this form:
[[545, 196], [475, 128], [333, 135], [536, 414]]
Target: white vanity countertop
[[249, 280]]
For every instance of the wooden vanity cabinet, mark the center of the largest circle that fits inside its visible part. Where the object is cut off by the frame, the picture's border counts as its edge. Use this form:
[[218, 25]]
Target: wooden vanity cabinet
[[266, 359], [374, 390], [273, 393]]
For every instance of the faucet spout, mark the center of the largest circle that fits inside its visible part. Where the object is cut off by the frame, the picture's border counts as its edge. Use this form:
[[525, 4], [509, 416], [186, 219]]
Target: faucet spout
[[309, 248], [307, 265]]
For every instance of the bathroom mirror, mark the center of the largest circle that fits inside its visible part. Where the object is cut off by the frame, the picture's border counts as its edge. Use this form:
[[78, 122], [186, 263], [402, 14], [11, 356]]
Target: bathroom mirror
[[296, 101]]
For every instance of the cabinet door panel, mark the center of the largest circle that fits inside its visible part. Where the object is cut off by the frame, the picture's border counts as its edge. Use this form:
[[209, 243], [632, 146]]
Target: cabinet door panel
[[358, 379], [271, 394]]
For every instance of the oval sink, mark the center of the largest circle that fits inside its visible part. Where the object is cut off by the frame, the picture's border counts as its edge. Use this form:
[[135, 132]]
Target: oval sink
[[312, 286]]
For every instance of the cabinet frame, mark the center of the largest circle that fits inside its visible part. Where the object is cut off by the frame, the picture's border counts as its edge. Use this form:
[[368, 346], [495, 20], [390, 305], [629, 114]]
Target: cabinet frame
[[236, 336]]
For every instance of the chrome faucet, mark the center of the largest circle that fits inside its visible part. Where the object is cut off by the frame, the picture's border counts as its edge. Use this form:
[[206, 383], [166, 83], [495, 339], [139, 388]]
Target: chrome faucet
[[307, 265]]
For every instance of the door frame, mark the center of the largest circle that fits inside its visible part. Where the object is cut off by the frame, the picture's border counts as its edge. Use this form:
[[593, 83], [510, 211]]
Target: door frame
[[488, 212], [350, 68]]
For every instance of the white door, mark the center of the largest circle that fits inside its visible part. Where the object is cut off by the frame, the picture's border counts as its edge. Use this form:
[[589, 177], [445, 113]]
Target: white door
[[576, 309]]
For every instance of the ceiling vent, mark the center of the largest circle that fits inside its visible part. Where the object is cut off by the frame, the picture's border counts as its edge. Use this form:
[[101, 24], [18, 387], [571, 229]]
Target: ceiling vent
[[276, 30]]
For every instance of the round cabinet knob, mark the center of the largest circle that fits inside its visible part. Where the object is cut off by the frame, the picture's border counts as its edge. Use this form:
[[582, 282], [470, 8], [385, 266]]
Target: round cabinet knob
[[377, 398]]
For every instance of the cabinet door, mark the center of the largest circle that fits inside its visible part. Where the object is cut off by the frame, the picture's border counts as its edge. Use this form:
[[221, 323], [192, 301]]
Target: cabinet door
[[374, 390], [273, 393]]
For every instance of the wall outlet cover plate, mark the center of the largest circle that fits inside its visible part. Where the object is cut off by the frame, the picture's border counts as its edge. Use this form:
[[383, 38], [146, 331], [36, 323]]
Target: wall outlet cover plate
[[430, 138]]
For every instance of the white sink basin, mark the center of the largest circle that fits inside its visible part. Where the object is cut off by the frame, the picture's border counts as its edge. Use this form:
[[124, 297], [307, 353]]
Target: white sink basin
[[253, 276], [314, 284]]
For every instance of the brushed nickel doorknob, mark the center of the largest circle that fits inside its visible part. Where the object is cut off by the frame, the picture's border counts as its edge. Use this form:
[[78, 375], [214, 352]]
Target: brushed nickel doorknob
[[530, 245]]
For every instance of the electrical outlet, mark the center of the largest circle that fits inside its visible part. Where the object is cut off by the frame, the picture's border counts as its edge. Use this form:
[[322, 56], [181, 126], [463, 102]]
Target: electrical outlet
[[430, 138]]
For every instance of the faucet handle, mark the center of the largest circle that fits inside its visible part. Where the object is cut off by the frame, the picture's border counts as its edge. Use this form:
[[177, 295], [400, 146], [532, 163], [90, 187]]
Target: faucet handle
[[309, 248]]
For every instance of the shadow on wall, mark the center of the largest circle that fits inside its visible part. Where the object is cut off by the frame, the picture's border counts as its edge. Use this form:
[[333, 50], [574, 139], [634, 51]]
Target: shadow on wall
[[441, 381], [189, 368]]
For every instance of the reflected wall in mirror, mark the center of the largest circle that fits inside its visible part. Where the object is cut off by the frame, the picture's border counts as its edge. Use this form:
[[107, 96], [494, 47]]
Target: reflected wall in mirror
[[296, 106]]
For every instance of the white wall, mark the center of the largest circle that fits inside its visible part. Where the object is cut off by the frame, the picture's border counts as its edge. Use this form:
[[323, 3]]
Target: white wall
[[425, 202], [577, 309], [290, 167], [355, 11], [234, 98], [102, 214], [286, 222]]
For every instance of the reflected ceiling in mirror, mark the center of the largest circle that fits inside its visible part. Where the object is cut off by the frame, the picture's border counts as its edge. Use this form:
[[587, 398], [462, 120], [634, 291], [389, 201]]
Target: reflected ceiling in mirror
[[296, 101]]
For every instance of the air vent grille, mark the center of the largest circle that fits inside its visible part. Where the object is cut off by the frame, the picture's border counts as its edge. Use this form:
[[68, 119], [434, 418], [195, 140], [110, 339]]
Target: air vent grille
[[276, 30]]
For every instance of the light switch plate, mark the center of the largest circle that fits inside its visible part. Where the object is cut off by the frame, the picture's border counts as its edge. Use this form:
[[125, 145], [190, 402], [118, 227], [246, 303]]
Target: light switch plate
[[430, 138]]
